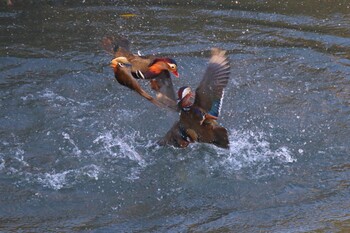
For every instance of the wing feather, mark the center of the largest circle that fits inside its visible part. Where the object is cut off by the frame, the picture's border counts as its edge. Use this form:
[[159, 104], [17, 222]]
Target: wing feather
[[209, 93], [164, 87]]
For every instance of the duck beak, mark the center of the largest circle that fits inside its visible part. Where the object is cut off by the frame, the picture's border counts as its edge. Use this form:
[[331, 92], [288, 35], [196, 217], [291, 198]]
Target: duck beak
[[114, 63], [176, 73]]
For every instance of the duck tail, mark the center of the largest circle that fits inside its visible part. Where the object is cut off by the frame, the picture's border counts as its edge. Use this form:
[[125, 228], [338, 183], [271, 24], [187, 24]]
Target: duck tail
[[150, 98], [221, 137]]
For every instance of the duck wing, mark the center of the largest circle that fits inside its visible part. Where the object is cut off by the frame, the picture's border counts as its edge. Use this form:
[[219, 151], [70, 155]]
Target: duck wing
[[119, 46], [210, 92], [163, 85], [125, 78], [113, 45]]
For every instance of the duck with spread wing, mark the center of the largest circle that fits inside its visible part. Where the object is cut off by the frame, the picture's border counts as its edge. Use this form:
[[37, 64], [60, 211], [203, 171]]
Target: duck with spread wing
[[198, 119], [155, 69]]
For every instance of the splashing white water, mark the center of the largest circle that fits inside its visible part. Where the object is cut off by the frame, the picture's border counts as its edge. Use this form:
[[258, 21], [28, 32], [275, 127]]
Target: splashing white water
[[2, 163], [55, 181], [68, 178], [120, 147], [251, 150], [76, 149], [57, 100]]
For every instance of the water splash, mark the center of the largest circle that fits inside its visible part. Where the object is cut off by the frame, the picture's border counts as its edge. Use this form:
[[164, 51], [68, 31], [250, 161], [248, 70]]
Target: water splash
[[252, 147], [2, 163], [51, 97], [76, 149], [58, 100], [120, 146], [55, 181], [67, 179], [251, 152]]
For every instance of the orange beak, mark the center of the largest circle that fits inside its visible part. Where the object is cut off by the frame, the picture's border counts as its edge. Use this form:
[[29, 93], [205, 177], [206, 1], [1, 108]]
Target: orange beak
[[114, 63], [176, 73]]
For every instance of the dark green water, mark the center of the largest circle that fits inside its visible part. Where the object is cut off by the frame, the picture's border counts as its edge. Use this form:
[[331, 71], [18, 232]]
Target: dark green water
[[77, 150]]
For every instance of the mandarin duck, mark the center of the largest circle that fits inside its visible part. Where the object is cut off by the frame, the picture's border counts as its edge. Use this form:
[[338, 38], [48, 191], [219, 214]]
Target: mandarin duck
[[198, 118], [155, 69], [122, 72]]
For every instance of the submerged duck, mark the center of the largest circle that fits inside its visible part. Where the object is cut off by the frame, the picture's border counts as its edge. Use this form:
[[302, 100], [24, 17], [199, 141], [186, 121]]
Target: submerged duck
[[155, 69], [198, 118]]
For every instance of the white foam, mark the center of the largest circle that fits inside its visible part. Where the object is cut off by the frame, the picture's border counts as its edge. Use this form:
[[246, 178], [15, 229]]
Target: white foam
[[51, 96], [120, 146], [68, 178], [55, 181], [2, 163], [58, 100], [252, 150], [76, 149]]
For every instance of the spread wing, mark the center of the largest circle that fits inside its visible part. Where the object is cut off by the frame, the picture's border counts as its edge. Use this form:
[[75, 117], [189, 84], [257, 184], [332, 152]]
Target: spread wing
[[209, 93], [119, 46], [164, 87], [113, 43]]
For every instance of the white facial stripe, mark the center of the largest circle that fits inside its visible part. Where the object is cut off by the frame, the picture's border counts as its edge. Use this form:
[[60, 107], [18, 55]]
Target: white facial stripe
[[185, 92], [172, 66]]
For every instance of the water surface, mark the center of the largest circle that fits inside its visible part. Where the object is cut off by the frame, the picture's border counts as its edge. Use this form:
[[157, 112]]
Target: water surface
[[78, 152]]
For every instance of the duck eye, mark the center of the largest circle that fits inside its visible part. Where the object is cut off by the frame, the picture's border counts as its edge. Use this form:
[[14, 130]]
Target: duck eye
[[172, 66]]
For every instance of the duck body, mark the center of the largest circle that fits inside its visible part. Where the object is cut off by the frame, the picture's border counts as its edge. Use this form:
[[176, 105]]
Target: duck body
[[198, 120], [189, 130], [122, 73], [155, 69], [143, 67], [175, 137]]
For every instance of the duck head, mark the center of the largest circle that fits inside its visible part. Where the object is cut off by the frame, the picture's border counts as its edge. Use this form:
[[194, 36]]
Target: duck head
[[160, 64], [122, 71], [120, 63], [185, 97]]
